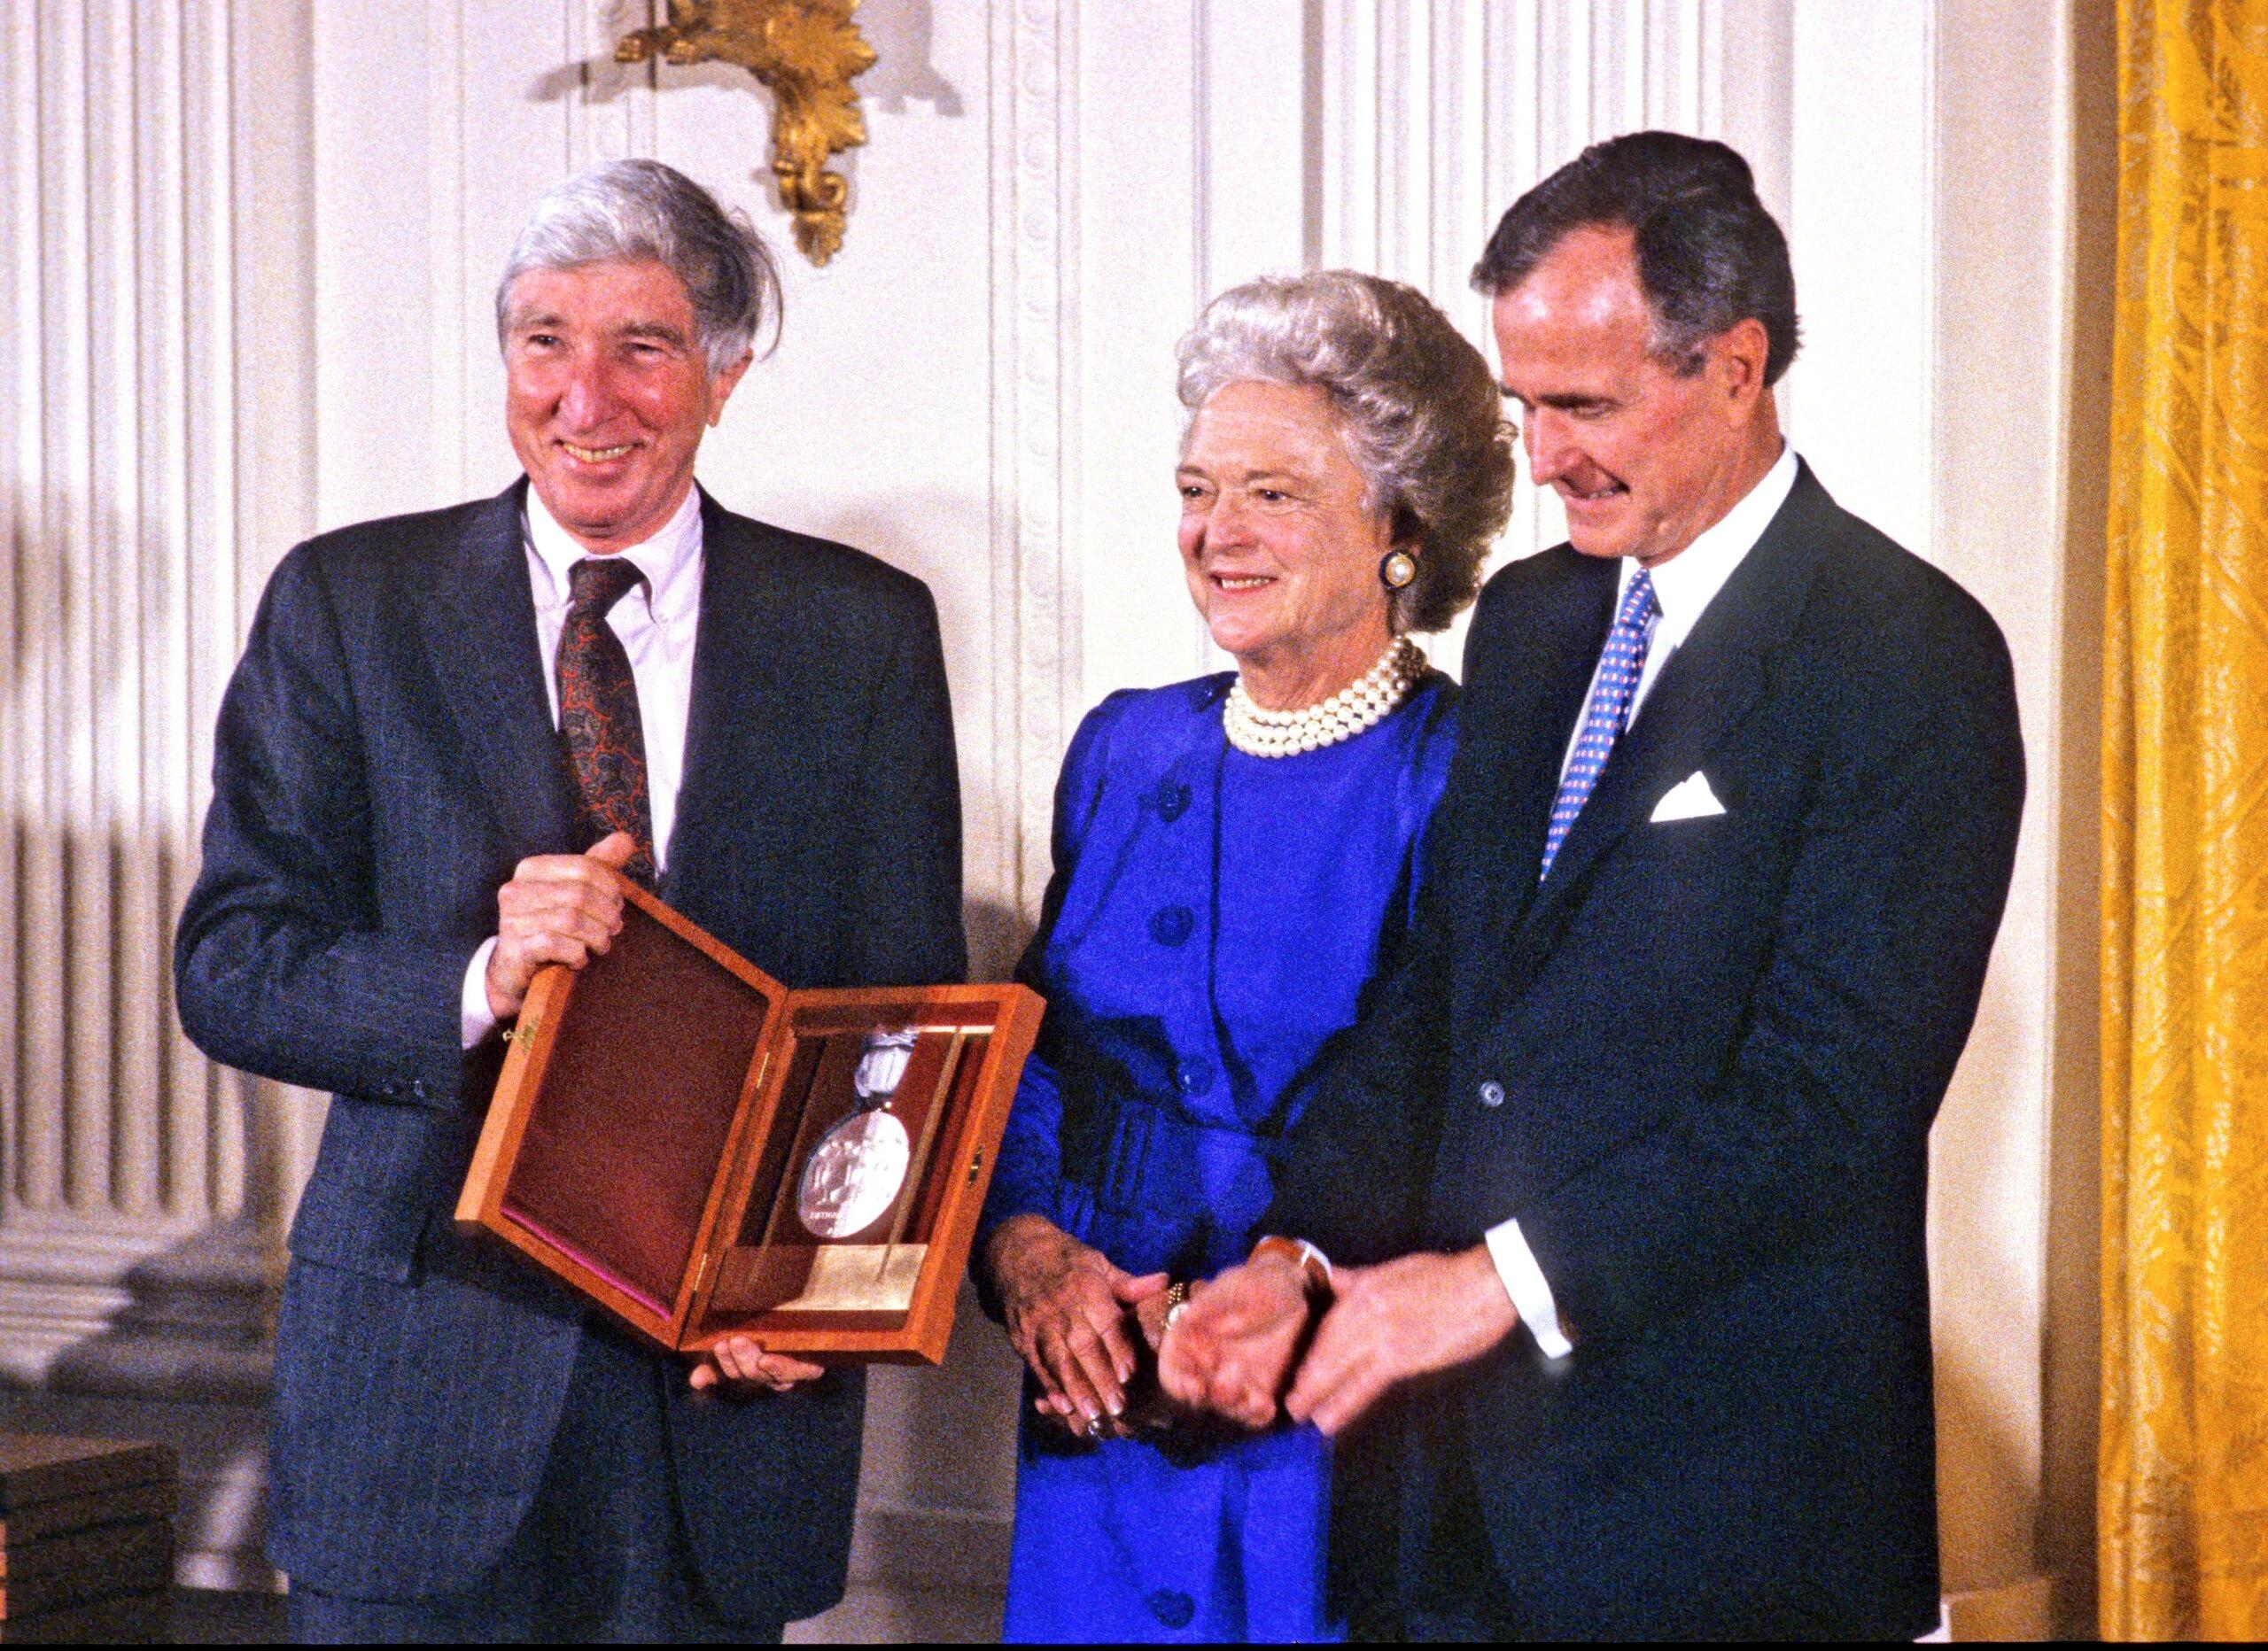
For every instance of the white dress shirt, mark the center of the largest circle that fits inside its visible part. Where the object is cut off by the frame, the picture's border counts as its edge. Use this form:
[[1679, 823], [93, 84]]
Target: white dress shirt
[[1684, 586], [657, 622]]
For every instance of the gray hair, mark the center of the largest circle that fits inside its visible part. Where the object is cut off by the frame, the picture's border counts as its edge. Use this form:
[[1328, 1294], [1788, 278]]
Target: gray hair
[[643, 211], [1422, 415]]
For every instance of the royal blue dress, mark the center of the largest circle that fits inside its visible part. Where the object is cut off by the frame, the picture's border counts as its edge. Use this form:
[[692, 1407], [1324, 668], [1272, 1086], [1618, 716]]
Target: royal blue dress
[[1212, 922]]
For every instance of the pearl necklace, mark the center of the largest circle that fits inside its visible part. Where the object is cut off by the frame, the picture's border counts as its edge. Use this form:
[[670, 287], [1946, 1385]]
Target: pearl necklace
[[1360, 705]]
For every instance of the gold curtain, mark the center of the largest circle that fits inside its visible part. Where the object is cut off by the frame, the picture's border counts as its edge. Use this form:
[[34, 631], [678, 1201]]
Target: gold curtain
[[2184, 1403]]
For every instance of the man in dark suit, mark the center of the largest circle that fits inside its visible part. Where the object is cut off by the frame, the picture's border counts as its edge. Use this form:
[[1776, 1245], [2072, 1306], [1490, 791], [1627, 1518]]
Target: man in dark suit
[[1618, 1197], [451, 737]]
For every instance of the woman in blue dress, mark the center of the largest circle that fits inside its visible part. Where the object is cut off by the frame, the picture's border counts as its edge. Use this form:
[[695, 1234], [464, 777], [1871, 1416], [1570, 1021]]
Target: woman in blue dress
[[1235, 859]]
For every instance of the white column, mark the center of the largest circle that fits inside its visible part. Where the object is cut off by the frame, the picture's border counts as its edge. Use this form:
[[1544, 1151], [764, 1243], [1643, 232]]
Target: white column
[[150, 491], [121, 617]]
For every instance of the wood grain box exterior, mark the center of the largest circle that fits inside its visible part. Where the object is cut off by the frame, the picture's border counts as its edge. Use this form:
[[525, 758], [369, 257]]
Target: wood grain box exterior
[[652, 1134]]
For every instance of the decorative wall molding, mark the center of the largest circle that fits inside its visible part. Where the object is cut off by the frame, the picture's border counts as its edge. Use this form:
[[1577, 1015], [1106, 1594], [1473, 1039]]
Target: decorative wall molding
[[1035, 368]]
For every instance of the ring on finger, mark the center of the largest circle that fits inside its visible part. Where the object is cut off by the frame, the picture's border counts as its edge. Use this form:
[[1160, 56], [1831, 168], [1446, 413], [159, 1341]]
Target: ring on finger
[[1176, 1302]]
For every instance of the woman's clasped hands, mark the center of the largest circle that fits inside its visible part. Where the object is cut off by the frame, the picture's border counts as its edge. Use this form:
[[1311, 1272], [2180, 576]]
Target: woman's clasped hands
[[1075, 1318]]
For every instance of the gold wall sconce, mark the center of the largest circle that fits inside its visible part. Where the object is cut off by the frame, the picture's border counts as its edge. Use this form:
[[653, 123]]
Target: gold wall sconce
[[806, 52]]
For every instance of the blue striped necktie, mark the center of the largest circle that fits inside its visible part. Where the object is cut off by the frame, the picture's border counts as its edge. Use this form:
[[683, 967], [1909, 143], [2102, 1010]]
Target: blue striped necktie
[[1619, 667]]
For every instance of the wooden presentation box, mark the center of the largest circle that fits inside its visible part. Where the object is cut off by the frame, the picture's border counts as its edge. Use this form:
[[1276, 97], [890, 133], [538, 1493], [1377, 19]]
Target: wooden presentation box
[[707, 1154]]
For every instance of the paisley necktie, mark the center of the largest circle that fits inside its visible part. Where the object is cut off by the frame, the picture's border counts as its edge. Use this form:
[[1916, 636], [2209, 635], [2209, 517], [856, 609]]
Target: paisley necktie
[[598, 710]]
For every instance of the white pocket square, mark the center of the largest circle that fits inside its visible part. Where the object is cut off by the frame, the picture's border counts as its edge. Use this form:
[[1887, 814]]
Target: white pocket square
[[1690, 799]]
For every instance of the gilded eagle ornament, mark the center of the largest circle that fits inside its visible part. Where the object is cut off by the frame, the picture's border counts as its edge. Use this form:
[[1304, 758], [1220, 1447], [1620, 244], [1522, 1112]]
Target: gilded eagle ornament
[[807, 52]]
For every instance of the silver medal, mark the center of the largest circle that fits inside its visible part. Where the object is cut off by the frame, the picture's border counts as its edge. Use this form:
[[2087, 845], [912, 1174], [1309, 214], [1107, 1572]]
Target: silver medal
[[854, 1174], [857, 1169]]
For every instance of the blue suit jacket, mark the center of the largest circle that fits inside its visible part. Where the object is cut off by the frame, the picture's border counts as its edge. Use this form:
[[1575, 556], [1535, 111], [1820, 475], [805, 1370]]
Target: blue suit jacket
[[1698, 1064], [385, 757]]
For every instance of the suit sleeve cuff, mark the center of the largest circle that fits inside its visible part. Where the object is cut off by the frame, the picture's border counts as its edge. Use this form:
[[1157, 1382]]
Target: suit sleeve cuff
[[1530, 1290], [474, 1019]]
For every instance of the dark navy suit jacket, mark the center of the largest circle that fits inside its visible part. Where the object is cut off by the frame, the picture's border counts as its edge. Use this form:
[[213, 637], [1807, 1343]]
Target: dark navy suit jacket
[[386, 757], [1698, 1064]]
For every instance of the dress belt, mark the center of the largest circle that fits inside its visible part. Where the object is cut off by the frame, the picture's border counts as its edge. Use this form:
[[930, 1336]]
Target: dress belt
[[1109, 1141]]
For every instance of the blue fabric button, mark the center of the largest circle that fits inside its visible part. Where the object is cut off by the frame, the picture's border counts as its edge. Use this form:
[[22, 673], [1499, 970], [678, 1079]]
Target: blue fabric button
[[1170, 926], [1194, 1075], [1173, 1608], [1172, 800], [1492, 1093]]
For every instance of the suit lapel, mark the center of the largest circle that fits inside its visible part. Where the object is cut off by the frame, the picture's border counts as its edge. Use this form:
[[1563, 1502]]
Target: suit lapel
[[739, 702], [1546, 654], [1704, 691], [481, 637]]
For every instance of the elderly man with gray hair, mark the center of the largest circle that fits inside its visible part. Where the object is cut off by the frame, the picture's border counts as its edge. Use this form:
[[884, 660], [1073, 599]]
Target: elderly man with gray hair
[[451, 738]]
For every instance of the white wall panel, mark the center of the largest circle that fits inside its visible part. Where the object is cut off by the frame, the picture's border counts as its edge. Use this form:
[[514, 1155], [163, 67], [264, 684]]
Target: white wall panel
[[379, 438], [2002, 385], [1862, 224], [1133, 233]]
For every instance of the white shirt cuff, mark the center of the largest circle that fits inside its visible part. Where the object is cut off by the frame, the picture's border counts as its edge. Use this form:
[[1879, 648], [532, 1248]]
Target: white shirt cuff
[[1530, 1290], [475, 1022]]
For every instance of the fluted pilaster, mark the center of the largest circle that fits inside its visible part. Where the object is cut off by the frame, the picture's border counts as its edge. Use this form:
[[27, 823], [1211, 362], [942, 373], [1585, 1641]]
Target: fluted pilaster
[[117, 622], [150, 283]]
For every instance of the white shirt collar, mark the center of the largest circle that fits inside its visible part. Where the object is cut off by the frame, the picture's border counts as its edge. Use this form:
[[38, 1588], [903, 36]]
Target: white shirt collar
[[670, 560], [1689, 582]]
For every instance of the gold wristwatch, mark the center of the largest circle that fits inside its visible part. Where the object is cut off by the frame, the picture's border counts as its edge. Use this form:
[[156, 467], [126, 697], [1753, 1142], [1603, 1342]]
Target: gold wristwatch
[[1315, 1266]]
